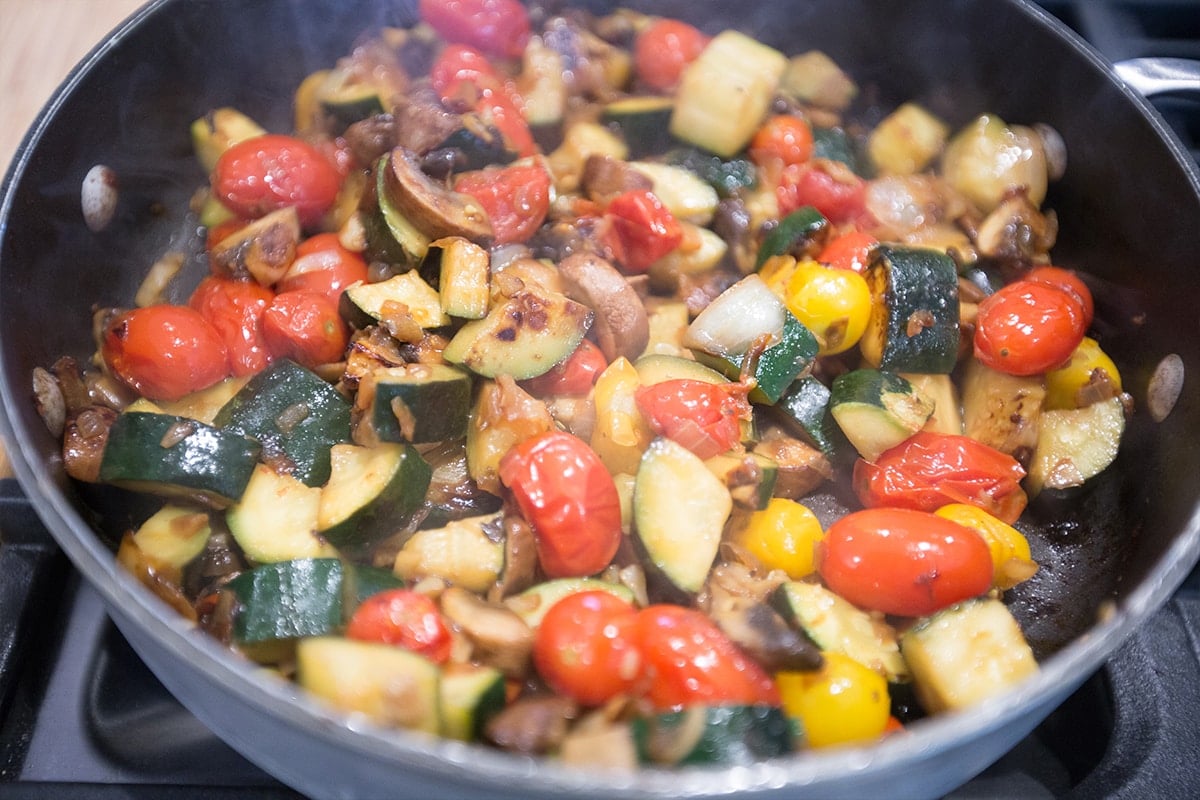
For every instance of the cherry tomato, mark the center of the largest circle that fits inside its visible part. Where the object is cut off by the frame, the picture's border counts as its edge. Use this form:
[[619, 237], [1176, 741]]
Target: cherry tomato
[[703, 417], [574, 376], [783, 140], [515, 198], [850, 251], [235, 308], [783, 536], [323, 266], [164, 352], [641, 229], [306, 327], [929, 470], [403, 618], [689, 661], [266, 173], [827, 186], [497, 27], [904, 562], [842, 703], [463, 75], [664, 49], [1066, 279], [569, 499], [586, 647], [1027, 327]]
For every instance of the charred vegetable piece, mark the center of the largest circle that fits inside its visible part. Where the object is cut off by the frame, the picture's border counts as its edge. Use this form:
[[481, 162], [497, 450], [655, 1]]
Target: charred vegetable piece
[[294, 415], [431, 208], [176, 457], [404, 295], [262, 249], [914, 321]]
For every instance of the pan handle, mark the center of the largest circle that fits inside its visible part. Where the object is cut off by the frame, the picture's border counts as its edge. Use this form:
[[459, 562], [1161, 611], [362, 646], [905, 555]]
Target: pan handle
[[1156, 76]]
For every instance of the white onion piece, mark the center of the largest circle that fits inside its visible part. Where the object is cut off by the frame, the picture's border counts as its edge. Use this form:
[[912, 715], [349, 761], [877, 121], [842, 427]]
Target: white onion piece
[[736, 318], [98, 197]]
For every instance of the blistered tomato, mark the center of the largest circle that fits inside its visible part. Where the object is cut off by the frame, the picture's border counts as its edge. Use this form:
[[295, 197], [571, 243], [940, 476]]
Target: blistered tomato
[[903, 562], [515, 198], [1028, 327], [569, 499], [586, 647], [164, 352], [306, 327], [257, 176], [664, 49], [574, 376], [235, 308], [703, 417], [497, 27], [323, 266], [641, 229], [403, 618]]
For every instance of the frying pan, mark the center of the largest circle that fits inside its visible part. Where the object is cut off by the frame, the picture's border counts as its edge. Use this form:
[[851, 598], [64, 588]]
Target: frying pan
[[1129, 208]]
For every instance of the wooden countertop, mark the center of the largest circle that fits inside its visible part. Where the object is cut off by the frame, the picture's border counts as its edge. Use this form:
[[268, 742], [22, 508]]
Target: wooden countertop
[[40, 40]]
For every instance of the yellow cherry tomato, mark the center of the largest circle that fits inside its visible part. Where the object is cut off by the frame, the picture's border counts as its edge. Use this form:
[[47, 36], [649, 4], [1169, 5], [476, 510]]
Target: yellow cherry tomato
[[844, 702], [783, 536], [835, 304], [1063, 384], [1011, 559]]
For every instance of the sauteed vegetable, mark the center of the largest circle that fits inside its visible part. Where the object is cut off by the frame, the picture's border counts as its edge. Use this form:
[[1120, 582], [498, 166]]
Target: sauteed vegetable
[[607, 389]]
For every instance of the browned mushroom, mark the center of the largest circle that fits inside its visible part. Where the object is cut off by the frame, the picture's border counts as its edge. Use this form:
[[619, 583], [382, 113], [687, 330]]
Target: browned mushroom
[[499, 637], [532, 725], [605, 177], [621, 325], [262, 250], [801, 468], [435, 210]]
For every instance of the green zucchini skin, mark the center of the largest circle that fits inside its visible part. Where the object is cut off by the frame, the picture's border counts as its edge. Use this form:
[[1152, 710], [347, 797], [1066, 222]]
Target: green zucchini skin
[[727, 176], [777, 366], [727, 735], [173, 456], [372, 493], [281, 391], [833, 144], [793, 235], [288, 600], [476, 145], [469, 696], [915, 327], [877, 410], [434, 401], [804, 407], [643, 122]]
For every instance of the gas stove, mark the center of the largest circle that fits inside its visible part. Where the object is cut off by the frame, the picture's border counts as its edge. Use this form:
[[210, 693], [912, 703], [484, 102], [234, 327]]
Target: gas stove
[[81, 718]]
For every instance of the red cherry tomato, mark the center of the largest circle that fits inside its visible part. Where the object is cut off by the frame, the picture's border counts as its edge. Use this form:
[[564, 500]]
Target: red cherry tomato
[[703, 417], [829, 187], [586, 647], [1027, 327], [497, 27], [306, 327], [235, 308], [903, 562], [260, 175], [641, 229], [1069, 280], [164, 352], [463, 75], [850, 251], [574, 376], [403, 618], [664, 49], [323, 266], [783, 140], [689, 661], [930, 470], [515, 198], [570, 501]]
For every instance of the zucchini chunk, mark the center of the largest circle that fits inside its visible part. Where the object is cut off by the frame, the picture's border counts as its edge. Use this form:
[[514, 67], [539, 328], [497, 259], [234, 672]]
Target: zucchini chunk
[[1001, 410], [642, 122], [391, 235], [460, 271], [914, 316], [173, 536], [365, 304], [372, 492], [523, 335], [837, 626], [296, 417], [276, 519], [415, 403], [389, 685], [532, 604], [464, 552], [966, 653], [1075, 445], [805, 409], [940, 389], [287, 600], [679, 512], [219, 130], [726, 92], [176, 457], [749, 477], [713, 735], [685, 194], [727, 176], [877, 410], [794, 234], [469, 696]]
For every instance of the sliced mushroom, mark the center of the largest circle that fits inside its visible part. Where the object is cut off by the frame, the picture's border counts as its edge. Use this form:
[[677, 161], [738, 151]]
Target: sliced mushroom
[[435, 210], [520, 558], [499, 637], [765, 637], [621, 325], [801, 468], [262, 250], [1017, 230], [605, 177], [532, 725], [84, 440]]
